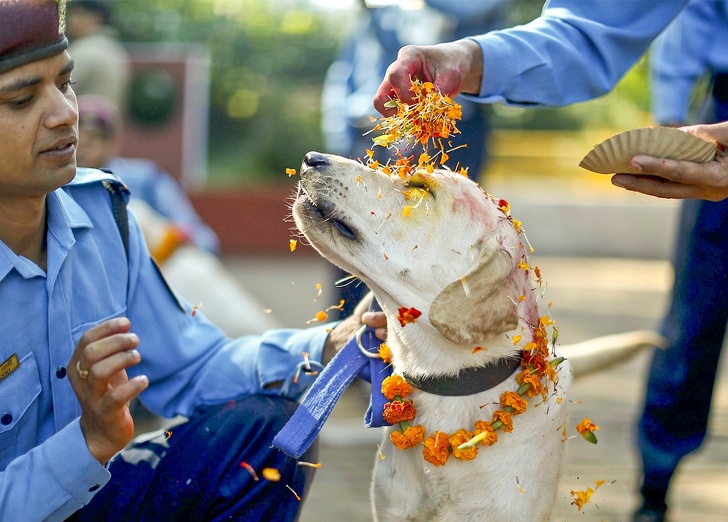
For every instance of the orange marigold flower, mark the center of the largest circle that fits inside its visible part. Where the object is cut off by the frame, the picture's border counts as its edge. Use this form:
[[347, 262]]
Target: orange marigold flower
[[385, 354], [587, 428], [411, 436], [527, 377], [461, 437], [582, 497], [515, 401], [437, 448], [398, 411], [407, 315], [586, 425], [505, 418], [394, 386], [482, 426]]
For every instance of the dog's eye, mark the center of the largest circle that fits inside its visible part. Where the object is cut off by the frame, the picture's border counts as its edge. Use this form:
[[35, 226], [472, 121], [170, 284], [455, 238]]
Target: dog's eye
[[418, 181]]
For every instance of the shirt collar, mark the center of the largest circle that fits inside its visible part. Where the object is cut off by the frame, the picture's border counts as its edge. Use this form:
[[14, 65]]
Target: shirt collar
[[63, 216]]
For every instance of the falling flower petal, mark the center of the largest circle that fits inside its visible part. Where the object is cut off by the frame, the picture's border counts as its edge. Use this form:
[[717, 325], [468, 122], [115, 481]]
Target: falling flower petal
[[407, 315], [271, 474]]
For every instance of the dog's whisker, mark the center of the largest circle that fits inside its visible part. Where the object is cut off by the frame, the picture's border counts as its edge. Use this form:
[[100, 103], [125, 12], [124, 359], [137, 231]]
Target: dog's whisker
[[346, 281]]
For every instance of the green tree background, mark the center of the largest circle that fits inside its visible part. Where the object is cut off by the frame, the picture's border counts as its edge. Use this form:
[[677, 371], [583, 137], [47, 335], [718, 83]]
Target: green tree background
[[269, 58]]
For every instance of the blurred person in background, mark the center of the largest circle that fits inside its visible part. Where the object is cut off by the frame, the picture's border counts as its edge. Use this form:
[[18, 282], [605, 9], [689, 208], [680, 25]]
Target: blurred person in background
[[352, 80], [89, 324], [177, 237], [578, 50], [679, 391], [103, 66]]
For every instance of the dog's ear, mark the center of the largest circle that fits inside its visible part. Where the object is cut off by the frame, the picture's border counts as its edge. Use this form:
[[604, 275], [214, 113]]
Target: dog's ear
[[487, 308]]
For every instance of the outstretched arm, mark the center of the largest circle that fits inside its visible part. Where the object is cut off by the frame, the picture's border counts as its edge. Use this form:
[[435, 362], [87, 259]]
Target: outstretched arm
[[575, 51]]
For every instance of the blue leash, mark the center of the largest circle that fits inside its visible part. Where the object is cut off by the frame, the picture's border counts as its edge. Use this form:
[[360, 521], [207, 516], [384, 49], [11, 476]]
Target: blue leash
[[358, 357]]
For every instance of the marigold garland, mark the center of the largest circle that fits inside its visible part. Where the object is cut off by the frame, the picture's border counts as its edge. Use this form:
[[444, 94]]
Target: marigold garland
[[537, 373]]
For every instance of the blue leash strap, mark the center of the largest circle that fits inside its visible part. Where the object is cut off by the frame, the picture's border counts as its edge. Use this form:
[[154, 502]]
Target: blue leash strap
[[305, 424]]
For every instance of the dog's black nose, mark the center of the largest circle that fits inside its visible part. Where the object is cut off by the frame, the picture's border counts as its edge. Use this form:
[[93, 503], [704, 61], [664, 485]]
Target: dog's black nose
[[315, 159]]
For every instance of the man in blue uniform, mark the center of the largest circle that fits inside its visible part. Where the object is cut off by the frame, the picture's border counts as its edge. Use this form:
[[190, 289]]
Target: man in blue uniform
[[577, 50], [89, 324]]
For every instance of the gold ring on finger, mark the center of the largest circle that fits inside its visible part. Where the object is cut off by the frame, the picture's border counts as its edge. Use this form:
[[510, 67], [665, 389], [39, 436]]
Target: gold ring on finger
[[81, 373]]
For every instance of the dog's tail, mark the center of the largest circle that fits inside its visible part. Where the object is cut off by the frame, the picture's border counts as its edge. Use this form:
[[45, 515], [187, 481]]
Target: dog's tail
[[601, 353]]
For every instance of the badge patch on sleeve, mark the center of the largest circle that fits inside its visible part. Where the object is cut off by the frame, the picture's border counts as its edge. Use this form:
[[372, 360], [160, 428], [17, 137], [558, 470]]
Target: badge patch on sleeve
[[9, 366]]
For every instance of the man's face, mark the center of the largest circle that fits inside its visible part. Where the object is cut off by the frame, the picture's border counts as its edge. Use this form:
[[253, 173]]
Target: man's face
[[38, 127]]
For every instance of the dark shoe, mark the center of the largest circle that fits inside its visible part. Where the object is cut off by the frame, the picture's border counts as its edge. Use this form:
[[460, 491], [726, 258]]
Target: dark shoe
[[646, 514]]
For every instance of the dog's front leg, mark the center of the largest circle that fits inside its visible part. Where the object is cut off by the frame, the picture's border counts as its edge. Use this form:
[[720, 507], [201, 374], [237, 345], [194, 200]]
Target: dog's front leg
[[398, 492]]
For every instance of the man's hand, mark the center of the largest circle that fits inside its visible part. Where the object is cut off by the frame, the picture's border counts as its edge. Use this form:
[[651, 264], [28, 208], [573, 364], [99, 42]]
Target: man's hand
[[674, 179], [97, 371], [453, 67], [340, 335]]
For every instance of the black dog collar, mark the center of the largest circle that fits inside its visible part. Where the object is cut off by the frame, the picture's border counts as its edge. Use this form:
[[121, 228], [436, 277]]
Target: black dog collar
[[468, 381]]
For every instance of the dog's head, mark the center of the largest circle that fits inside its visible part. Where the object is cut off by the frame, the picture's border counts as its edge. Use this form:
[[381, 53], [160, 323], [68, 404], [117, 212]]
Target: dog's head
[[432, 241]]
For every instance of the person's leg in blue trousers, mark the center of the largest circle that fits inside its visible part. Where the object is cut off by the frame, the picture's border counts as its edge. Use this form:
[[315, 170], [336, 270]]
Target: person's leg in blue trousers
[[682, 377], [197, 473]]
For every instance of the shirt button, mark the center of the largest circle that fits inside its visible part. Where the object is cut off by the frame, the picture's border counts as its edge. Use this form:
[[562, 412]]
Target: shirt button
[[94, 488], [61, 372], [6, 419]]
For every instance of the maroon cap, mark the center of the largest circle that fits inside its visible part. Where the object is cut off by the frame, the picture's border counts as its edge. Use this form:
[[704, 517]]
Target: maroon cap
[[30, 30]]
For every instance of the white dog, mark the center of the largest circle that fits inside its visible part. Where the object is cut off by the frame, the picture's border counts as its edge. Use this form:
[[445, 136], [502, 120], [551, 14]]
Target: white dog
[[436, 243]]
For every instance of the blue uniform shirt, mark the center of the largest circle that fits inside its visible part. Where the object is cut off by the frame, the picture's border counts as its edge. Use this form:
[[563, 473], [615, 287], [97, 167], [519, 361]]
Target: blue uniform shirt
[[575, 51], [695, 42], [47, 470]]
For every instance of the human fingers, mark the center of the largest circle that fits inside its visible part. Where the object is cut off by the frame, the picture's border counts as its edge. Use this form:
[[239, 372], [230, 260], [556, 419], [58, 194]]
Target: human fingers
[[106, 423], [707, 180], [654, 186], [452, 67], [90, 346], [717, 132], [410, 63]]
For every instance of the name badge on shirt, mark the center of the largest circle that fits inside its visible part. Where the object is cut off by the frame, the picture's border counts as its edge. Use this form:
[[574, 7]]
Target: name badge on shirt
[[9, 366]]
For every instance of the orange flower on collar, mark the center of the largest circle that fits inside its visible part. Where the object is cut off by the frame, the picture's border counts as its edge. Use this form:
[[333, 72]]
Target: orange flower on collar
[[398, 411], [437, 448], [395, 386], [407, 315], [491, 436], [411, 436], [505, 418], [460, 437], [515, 401]]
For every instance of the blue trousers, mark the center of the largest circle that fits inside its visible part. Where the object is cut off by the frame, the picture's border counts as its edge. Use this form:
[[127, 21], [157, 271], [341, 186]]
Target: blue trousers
[[196, 473], [682, 377]]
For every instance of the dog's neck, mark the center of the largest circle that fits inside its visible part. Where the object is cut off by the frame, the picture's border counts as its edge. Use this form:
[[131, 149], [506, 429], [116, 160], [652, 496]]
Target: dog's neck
[[435, 365]]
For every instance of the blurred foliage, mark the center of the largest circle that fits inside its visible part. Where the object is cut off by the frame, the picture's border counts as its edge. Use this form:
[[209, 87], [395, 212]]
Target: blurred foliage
[[269, 58], [268, 61]]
